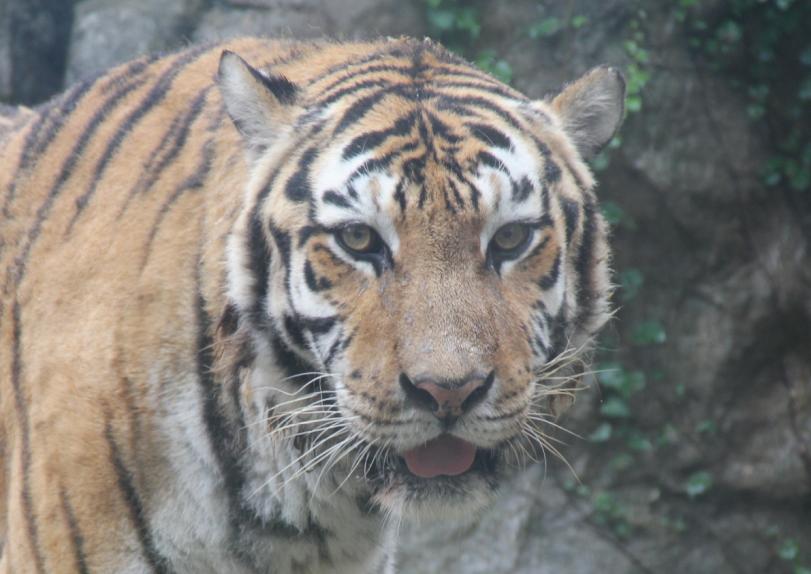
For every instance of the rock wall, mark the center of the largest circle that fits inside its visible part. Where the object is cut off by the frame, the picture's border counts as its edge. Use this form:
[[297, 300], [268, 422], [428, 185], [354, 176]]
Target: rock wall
[[697, 450]]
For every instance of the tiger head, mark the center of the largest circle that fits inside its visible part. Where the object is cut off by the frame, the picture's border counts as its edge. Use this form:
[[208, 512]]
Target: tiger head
[[425, 240]]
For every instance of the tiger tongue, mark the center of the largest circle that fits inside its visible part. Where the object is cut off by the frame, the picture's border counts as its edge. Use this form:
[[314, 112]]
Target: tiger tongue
[[445, 454]]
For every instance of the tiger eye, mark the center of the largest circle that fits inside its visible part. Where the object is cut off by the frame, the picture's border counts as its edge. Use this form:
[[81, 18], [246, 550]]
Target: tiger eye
[[358, 238], [510, 237]]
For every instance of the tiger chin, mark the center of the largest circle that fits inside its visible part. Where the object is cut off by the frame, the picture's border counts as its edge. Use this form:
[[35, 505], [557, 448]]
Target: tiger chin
[[263, 301]]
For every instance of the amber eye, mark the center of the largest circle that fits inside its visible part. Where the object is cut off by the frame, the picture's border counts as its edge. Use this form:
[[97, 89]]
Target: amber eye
[[359, 238], [510, 238]]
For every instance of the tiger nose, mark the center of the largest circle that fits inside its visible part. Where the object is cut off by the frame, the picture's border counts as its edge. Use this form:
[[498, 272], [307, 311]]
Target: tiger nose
[[447, 400]]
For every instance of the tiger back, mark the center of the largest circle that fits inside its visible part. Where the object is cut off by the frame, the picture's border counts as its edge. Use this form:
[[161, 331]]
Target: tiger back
[[263, 300]]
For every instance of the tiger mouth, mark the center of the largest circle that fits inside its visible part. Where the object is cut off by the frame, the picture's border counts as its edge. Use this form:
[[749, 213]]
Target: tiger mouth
[[395, 469]]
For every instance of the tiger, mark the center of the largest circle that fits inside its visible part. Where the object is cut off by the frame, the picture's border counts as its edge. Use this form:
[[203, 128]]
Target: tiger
[[264, 301]]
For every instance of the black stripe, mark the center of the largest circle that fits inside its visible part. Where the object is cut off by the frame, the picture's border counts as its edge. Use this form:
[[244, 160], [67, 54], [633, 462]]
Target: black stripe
[[155, 96], [373, 69], [584, 263], [298, 187], [283, 89], [544, 198], [543, 348], [290, 362], [571, 214], [538, 248], [357, 110], [522, 189], [455, 190], [399, 195], [551, 171], [317, 325], [393, 52], [490, 160], [441, 129], [38, 138], [25, 438], [550, 279], [175, 138], [380, 163], [157, 563], [558, 332], [371, 140], [464, 70], [294, 333], [314, 283], [494, 89], [76, 537], [259, 254], [490, 135], [16, 272], [224, 439], [282, 240], [448, 205], [447, 101], [353, 90], [193, 182], [336, 199], [306, 232], [414, 169], [474, 196]]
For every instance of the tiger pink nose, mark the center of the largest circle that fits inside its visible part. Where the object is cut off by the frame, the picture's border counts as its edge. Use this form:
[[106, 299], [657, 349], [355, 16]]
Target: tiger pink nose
[[447, 400]]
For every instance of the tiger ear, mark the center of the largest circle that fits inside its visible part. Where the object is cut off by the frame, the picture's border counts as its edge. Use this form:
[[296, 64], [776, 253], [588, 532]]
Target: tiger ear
[[258, 104], [591, 109]]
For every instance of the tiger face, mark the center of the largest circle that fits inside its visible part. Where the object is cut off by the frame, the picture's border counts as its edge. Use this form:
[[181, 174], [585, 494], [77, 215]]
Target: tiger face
[[425, 241]]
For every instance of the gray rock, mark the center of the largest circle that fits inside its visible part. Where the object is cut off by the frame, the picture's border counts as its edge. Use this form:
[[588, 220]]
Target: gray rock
[[109, 32], [534, 528], [340, 19], [33, 34]]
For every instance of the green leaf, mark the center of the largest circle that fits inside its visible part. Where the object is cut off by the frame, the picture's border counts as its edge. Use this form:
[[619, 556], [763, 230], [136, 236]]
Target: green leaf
[[730, 32], [600, 161], [698, 483], [602, 433], [611, 375], [755, 111], [579, 21], [633, 104], [805, 90], [615, 215], [631, 281], [639, 443], [503, 71], [621, 462], [545, 28], [468, 20], [489, 62], [788, 550], [442, 20], [667, 436], [605, 502], [615, 407], [648, 333], [706, 427]]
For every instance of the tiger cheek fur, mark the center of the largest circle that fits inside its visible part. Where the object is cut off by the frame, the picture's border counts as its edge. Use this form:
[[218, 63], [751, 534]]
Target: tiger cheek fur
[[254, 313]]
